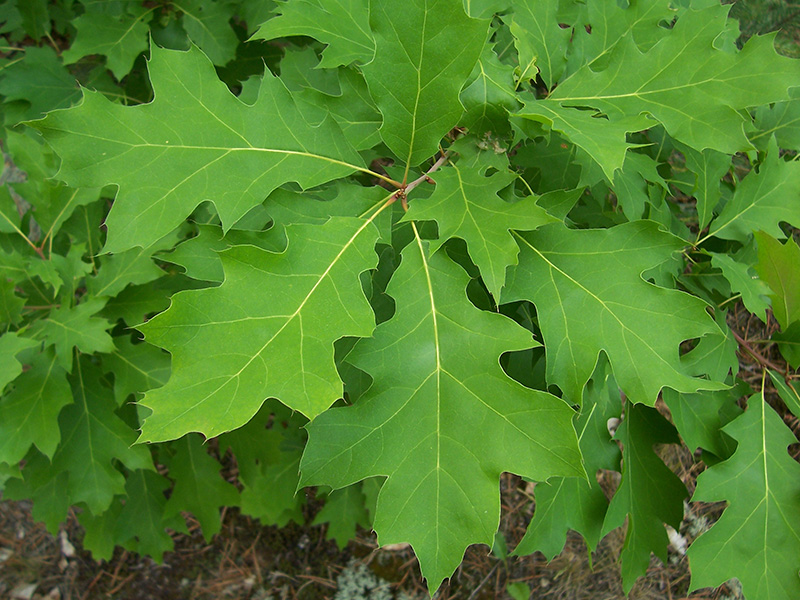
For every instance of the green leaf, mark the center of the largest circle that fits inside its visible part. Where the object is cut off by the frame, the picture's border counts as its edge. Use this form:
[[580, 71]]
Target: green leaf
[[268, 450], [29, 412], [600, 25], [759, 202], [573, 503], [709, 166], [439, 495], [789, 343], [699, 106], [343, 26], [120, 38], [276, 314], [787, 392], [10, 304], [35, 17], [344, 511], [211, 153], [590, 296], [757, 539], [466, 204], [11, 345], [75, 327], [604, 140], [136, 368], [489, 97], [39, 83], [700, 417], [781, 120], [93, 440], [199, 489], [779, 267], [541, 43], [46, 487], [431, 46], [745, 282], [143, 518], [206, 22], [649, 494]]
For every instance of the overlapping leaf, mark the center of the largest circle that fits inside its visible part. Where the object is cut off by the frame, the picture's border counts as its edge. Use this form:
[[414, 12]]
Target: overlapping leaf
[[762, 200], [120, 38], [29, 413], [466, 205], [267, 331], [590, 296], [572, 503], [437, 385], [220, 149]]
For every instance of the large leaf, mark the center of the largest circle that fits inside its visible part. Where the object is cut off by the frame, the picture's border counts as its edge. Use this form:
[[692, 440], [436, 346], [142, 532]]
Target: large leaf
[[344, 26], [417, 424], [267, 331], [424, 54], [220, 149], [694, 89], [757, 539], [590, 296]]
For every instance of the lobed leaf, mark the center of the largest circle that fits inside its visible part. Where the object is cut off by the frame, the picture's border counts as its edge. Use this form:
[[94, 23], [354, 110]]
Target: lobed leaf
[[417, 424]]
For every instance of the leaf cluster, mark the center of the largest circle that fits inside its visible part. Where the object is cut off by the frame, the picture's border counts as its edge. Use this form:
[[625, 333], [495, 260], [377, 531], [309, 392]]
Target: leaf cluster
[[393, 250]]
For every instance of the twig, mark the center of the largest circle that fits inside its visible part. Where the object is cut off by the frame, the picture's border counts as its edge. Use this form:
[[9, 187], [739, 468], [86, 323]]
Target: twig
[[443, 159], [755, 354], [483, 581]]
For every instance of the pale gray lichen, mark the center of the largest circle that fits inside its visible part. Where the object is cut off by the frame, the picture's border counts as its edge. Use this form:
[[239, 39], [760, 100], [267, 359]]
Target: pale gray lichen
[[357, 582]]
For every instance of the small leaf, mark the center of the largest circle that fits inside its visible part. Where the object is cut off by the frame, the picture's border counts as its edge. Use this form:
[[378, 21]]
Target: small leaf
[[120, 38], [29, 412], [779, 267], [466, 204], [344, 511], [649, 494], [199, 489], [75, 327], [541, 43], [206, 22], [759, 202], [757, 539], [93, 440]]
